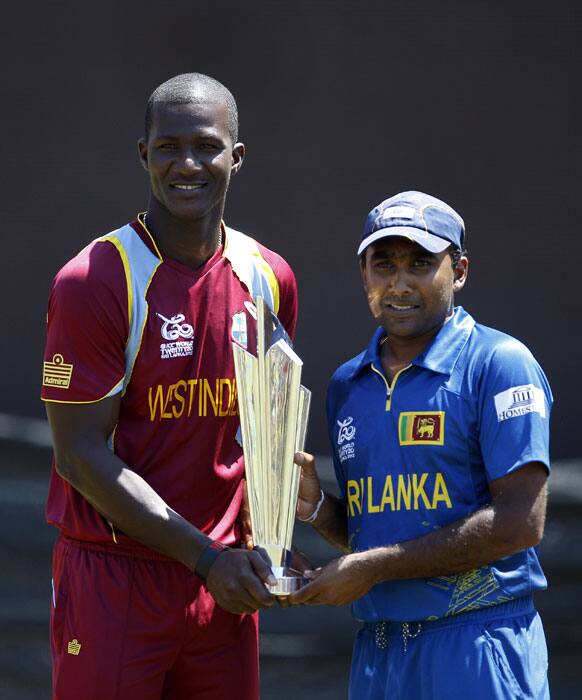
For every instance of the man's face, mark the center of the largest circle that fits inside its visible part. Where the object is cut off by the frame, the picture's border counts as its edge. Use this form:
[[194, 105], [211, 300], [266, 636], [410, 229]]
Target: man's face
[[410, 291], [190, 157]]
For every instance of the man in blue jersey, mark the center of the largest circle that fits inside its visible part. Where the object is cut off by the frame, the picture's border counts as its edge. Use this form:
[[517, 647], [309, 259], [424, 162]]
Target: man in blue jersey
[[439, 431]]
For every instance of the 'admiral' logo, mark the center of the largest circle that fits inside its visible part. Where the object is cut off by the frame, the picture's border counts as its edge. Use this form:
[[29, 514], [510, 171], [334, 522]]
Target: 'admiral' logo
[[421, 427], [57, 373], [73, 647]]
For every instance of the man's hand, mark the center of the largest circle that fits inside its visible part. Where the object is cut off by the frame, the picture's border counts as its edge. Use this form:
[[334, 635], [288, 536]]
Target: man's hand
[[309, 486], [237, 581], [340, 582]]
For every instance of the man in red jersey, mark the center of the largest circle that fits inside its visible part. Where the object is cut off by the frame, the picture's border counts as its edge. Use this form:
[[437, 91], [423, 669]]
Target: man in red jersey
[[151, 597]]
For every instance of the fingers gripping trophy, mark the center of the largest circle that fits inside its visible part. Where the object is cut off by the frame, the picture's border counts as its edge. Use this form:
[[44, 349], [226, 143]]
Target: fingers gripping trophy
[[273, 408]]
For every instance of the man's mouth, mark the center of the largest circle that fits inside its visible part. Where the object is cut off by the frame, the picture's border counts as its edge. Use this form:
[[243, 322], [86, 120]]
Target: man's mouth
[[189, 187], [401, 307]]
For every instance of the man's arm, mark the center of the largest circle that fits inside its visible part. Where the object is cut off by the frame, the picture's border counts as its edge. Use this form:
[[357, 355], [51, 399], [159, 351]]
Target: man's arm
[[80, 433], [514, 520], [331, 521]]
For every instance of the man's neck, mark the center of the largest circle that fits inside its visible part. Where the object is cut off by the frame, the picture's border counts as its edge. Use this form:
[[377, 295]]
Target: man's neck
[[189, 242], [397, 353]]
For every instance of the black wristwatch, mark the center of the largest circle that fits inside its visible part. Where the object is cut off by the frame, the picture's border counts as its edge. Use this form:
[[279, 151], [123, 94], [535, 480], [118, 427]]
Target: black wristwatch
[[207, 557]]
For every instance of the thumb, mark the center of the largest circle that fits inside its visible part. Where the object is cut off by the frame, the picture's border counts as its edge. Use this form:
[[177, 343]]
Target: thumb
[[307, 463], [262, 569]]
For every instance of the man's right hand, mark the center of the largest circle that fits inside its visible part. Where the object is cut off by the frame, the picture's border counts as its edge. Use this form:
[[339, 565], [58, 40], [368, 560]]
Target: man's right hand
[[237, 581], [309, 486]]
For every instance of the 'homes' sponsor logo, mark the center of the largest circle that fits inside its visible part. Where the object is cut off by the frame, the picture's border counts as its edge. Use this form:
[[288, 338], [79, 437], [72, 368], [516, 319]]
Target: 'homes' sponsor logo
[[520, 400]]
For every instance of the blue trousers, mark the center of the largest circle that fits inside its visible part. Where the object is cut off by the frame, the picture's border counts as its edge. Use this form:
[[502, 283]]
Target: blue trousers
[[496, 653]]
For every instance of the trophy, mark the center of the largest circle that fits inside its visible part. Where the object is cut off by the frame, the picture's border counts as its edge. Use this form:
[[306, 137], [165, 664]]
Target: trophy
[[273, 409]]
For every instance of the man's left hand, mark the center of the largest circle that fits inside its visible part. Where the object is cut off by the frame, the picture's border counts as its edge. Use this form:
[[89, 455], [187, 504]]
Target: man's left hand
[[340, 582]]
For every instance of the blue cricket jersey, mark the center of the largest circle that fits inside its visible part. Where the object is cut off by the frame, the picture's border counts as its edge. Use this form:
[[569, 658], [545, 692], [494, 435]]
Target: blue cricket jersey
[[418, 454]]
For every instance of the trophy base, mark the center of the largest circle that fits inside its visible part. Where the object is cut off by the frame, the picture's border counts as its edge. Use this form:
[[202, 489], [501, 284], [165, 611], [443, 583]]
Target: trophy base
[[288, 581]]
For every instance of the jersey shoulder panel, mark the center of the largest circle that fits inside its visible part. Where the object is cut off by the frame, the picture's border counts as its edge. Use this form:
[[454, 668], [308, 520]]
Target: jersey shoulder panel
[[87, 327], [496, 356]]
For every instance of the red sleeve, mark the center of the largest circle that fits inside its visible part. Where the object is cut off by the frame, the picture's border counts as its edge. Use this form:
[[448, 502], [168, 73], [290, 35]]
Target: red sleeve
[[287, 289], [87, 327]]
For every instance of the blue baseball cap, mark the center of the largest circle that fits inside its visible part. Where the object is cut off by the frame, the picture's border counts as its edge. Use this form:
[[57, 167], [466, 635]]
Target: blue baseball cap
[[419, 217]]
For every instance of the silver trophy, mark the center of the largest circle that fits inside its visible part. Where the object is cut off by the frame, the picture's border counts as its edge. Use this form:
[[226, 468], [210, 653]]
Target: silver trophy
[[273, 410]]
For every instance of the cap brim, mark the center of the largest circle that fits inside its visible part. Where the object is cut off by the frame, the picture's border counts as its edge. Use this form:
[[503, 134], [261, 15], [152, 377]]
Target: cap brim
[[430, 242]]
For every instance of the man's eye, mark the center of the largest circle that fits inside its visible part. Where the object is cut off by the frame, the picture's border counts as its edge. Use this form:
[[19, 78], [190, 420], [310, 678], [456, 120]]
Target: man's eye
[[421, 262], [208, 147], [167, 146]]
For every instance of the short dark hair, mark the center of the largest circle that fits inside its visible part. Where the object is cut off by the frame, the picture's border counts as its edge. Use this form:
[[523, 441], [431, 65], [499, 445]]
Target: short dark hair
[[456, 254], [193, 87]]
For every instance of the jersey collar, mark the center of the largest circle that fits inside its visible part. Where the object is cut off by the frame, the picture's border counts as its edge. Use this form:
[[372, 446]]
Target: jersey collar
[[442, 353]]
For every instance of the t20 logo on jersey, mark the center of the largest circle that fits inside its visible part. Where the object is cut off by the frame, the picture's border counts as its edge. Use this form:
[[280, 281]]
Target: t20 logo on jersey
[[421, 428], [345, 439], [172, 329]]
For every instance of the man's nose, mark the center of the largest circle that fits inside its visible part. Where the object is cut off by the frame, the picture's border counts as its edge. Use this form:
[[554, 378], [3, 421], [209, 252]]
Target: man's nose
[[400, 281], [189, 163]]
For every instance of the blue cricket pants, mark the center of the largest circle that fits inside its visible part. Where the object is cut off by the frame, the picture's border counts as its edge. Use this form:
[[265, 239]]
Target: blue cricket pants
[[496, 653]]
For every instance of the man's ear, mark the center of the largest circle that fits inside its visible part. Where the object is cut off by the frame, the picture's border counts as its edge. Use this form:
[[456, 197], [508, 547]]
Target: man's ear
[[238, 154], [142, 149], [460, 272]]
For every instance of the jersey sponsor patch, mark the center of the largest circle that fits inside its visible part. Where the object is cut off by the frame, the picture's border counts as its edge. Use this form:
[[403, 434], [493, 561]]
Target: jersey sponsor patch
[[519, 400], [57, 373], [421, 428]]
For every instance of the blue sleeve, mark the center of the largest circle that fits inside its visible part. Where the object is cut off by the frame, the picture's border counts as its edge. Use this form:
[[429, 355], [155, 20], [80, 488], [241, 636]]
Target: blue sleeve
[[331, 421], [515, 401]]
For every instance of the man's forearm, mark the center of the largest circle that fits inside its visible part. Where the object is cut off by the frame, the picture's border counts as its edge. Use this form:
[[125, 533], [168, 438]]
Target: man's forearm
[[332, 522], [484, 536], [130, 503]]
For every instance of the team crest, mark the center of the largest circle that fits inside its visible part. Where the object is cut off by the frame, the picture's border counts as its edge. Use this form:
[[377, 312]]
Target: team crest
[[239, 329], [421, 427]]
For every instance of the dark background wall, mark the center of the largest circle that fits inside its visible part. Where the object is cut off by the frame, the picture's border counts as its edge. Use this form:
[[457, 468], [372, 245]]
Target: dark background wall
[[341, 105]]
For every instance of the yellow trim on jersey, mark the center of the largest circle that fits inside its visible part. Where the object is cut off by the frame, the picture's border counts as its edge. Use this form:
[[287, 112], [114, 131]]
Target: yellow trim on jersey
[[141, 219], [123, 255], [251, 249], [273, 282], [390, 387], [143, 325]]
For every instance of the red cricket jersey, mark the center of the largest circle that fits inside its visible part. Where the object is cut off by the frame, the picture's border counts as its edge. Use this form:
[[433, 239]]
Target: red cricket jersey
[[178, 416]]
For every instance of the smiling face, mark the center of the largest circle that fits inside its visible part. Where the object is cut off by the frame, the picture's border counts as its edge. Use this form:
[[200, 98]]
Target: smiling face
[[190, 157], [410, 291]]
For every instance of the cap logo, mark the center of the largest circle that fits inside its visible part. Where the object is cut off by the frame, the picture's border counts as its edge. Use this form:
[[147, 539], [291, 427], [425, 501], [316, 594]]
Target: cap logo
[[400, 212]]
